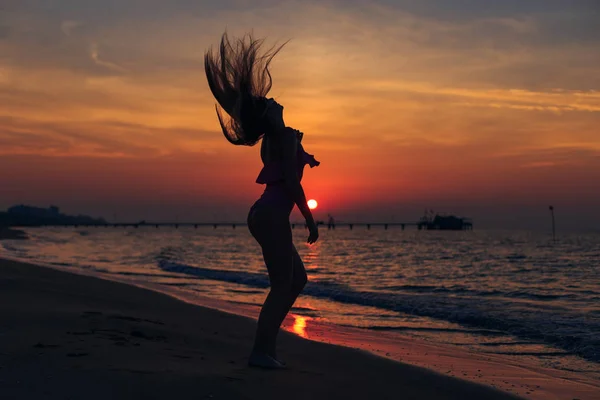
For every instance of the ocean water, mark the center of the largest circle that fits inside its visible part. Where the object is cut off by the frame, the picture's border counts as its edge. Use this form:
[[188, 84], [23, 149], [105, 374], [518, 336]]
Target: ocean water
[[502, 292]]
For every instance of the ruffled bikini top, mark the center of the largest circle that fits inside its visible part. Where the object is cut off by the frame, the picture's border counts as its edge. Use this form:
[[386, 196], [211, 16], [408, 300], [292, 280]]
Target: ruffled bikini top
[[272, 172]]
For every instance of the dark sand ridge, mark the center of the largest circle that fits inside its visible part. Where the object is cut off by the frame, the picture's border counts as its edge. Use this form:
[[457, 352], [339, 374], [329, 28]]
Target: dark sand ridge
[[11, 234], [64, 336]]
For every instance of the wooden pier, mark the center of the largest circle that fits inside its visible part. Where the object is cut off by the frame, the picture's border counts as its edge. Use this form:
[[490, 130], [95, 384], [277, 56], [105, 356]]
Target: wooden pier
[[27, 216], [233, 225], [439, 222]]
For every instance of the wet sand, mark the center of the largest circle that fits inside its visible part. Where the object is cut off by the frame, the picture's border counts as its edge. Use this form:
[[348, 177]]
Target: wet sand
[[71, 336]]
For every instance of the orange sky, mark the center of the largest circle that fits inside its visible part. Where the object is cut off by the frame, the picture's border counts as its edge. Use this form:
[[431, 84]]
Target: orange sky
[[491, 112]]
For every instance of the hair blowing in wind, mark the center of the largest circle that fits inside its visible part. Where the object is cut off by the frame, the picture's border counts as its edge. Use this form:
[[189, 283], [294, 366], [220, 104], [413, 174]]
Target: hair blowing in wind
[[239, 79]]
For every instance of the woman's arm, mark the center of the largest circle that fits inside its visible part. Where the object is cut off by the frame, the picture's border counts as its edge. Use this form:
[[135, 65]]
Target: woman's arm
[[289, 146]]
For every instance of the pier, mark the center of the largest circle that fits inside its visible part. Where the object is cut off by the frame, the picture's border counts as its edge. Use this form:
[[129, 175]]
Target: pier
[[234, 225], [27, 216]]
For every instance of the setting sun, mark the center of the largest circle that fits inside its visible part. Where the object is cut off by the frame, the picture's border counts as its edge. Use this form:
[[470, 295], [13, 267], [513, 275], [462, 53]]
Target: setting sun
[[312, 204]]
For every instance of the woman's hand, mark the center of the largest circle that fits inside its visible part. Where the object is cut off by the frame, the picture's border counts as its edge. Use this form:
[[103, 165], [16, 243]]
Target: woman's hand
[[313, 232]]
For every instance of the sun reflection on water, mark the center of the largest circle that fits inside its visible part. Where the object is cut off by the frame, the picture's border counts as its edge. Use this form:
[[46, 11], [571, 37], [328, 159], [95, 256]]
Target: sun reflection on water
[[299, 327]]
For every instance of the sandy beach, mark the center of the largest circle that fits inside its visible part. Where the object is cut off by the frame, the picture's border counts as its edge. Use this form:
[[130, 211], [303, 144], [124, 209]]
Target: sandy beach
[[71, 336]]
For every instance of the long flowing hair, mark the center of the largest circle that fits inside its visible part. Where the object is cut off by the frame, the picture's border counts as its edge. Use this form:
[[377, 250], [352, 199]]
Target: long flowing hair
[[239, 78]]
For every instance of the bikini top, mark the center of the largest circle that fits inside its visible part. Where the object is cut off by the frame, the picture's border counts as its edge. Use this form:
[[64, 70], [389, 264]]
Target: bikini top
[[272, 172]]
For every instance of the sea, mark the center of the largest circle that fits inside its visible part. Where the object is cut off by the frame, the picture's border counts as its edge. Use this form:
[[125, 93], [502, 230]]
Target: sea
[[521, 294]]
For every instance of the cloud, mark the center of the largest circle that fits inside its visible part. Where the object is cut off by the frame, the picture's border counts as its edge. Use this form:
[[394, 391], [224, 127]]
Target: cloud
[[95, 56], [67, 27], [398, 71], [559, 156], [21, 136], [553, 101], [101, 139]]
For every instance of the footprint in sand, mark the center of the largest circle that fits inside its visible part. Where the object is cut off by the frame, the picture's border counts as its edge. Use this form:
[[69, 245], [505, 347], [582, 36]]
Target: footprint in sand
[[77, 354], [134, 319], [45, 346], [180, 356], [91, 313], [142, 335]]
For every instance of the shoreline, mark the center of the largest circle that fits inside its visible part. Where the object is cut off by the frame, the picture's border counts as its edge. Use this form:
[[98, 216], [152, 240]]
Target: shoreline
[[492, 370], [67, 334]]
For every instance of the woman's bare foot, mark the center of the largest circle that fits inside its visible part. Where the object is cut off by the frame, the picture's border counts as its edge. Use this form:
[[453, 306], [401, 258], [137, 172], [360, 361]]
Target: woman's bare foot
[[263, 360], [273, 354]]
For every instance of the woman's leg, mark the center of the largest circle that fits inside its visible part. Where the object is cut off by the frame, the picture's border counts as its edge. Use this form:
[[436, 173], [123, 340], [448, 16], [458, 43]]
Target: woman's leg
[[299, 280], [274, 235], [280, 266]]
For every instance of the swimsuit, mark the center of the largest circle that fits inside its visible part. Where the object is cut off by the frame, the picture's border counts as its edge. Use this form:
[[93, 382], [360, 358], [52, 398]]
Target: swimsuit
[[271, 175]]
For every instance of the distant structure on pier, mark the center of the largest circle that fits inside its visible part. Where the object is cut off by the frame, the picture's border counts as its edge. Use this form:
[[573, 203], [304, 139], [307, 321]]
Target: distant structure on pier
[[330, 221], [436, 221], [24, 215]]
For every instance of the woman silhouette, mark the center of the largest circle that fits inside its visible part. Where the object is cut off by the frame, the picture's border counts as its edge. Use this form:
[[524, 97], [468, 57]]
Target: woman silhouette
[[238, 77]]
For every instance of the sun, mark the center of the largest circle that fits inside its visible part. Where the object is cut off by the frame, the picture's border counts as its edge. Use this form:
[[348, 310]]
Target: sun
[[312, 204]]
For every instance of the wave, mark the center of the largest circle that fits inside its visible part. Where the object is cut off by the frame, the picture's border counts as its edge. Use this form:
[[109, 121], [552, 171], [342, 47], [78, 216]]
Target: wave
[[562, 328], [460, 290], [482, 332]]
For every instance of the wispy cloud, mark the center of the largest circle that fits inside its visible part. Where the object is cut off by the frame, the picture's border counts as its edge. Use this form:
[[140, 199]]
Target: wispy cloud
[[553, 101], [95, 56], [67, 27]]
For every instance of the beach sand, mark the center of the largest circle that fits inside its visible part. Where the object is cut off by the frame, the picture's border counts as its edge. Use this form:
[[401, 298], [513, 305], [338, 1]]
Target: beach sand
[[68, 336]]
